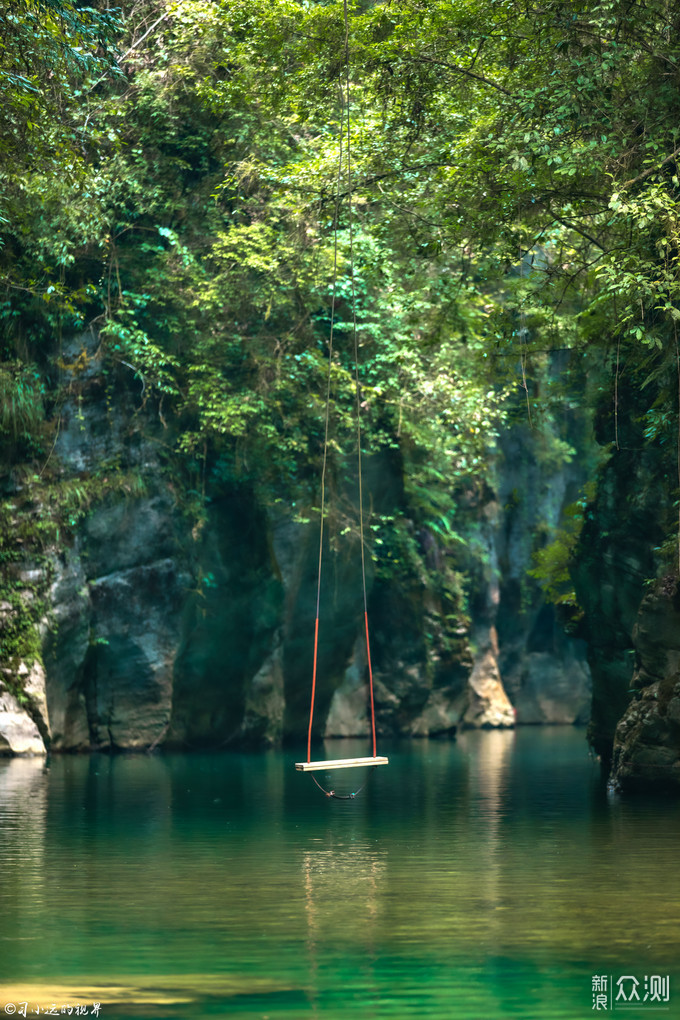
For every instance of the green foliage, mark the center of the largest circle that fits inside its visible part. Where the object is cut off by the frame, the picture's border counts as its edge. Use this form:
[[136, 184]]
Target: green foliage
[[553, 560], [43, 514], [172, 168], [21, 401]]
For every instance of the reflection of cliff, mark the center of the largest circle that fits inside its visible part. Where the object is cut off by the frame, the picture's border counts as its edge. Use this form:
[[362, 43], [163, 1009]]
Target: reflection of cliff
[[488, 765], [488, 779], [23, 812], [342, 881]]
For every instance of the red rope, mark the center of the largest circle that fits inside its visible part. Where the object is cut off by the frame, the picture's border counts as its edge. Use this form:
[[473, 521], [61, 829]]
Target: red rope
[[358, 407], [311, 709], [370, 683], [357, 384]]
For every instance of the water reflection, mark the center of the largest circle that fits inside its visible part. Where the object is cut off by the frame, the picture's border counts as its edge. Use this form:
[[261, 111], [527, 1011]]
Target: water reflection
[[342, 881], [490, 755], [465, 881], [343, 887], [23, 812]]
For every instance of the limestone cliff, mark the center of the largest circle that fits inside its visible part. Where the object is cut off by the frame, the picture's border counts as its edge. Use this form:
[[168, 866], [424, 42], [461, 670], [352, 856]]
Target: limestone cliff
[[624, 582], [162, 627], [544, 668], [646, 750]]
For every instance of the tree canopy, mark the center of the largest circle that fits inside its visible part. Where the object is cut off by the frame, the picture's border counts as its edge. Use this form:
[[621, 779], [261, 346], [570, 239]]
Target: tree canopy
[[172, 173]]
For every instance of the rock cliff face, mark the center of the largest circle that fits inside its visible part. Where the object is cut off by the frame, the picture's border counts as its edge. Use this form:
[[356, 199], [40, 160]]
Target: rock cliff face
[[646, 752], [615, 557], [545, 671], [19, 732], [118, 589], [164, 630], [631, 623]]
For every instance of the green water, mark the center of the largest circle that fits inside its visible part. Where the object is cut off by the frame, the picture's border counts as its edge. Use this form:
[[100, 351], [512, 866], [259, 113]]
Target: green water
[[491, 877]]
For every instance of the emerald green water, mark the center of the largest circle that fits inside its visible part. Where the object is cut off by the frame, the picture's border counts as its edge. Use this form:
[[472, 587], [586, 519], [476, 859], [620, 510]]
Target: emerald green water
[[492, 877]]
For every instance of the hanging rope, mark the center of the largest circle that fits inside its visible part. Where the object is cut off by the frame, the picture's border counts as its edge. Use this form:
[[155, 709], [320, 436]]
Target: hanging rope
[[346, 103], [340, 796], [325, 439], [357, 386], [522, 314]]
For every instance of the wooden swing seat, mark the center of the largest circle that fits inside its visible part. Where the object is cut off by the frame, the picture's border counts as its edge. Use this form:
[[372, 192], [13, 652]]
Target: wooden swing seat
[[339, 763]]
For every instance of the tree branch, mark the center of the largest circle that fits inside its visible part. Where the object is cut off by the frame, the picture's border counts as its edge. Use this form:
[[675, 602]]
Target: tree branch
[[652, 170], [163, 17], [466, 72], [578, 230], [119, 60]]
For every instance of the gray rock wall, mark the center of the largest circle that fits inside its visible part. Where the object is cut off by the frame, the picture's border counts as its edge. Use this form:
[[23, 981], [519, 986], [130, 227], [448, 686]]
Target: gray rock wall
[[165, 631], [646, 750], [545, 670]]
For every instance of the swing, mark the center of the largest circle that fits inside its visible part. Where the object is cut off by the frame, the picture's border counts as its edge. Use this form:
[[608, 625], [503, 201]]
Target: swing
[[342, 763], [339, 763]]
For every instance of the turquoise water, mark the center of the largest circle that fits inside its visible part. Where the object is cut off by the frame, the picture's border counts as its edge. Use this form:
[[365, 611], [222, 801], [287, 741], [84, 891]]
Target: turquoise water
[[492, 877]]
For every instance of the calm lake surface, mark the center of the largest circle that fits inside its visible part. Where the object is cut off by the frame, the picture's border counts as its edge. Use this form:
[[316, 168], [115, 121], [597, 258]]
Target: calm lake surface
[[492, 877]]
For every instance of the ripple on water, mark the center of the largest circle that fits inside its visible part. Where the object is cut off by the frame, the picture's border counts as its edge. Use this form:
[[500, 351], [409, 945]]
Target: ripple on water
[[484, 879]]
